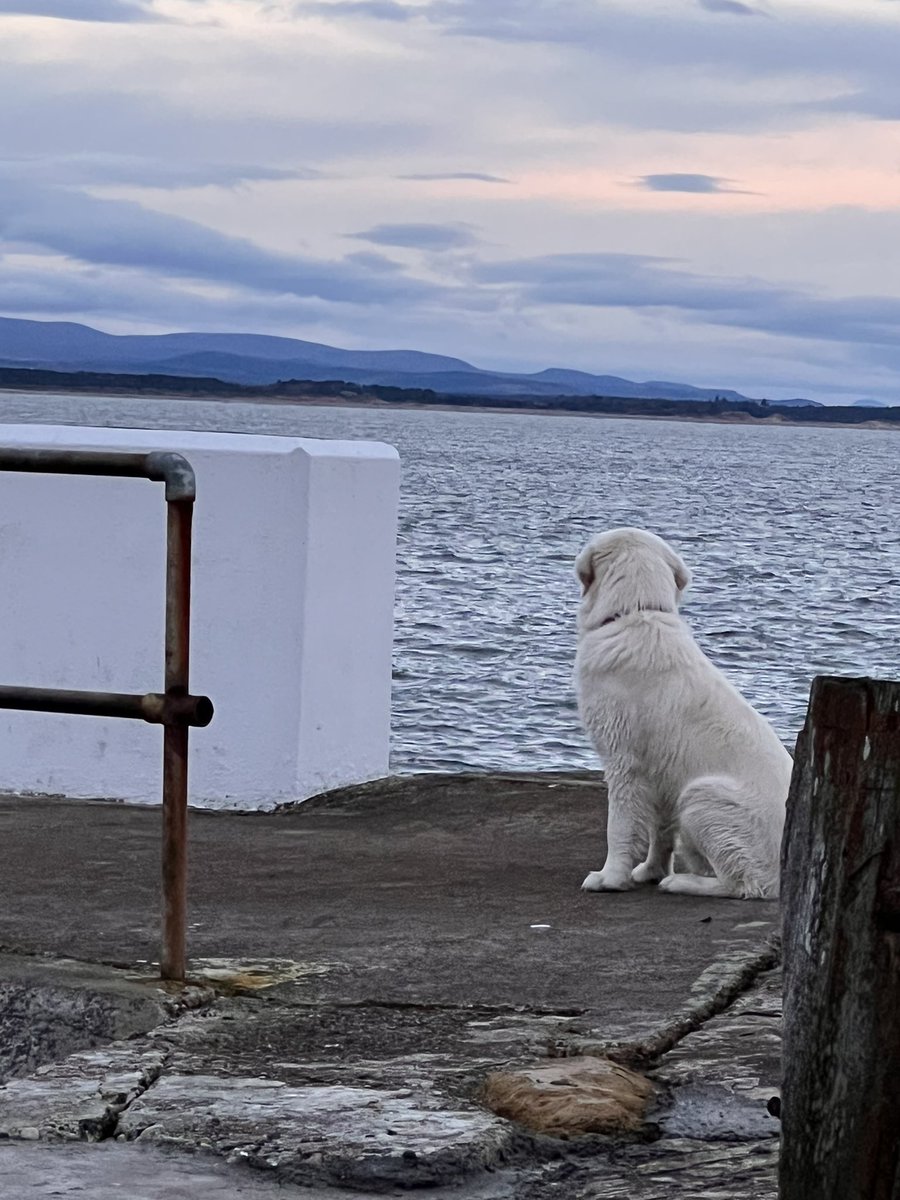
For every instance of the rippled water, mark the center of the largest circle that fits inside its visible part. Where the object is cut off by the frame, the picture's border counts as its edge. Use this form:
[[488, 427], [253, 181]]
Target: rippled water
[[793, 536]]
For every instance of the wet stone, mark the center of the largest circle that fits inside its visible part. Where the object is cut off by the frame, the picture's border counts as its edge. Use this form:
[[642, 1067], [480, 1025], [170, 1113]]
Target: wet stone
[[346, 1136], [716, 1113], [79, 1098]]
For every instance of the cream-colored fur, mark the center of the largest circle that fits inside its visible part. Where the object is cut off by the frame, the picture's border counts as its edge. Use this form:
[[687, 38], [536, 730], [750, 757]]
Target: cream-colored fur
[[689, 763]]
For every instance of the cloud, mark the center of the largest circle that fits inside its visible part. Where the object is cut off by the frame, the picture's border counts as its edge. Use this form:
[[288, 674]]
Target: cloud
[[771, 76], [673, 38], [49, 288], [639, 282], [679, 182], [120, 233], [46, 110], [414, 236], [478, 176], [117, 11], [613, 280], [768, 78], [882, 103], [734, 7], [52, 287], [374, 262], [508, 20], [378, 10], [142, 171]]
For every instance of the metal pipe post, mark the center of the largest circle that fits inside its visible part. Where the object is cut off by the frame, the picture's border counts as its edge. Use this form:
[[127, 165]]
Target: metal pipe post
[[175, 746]]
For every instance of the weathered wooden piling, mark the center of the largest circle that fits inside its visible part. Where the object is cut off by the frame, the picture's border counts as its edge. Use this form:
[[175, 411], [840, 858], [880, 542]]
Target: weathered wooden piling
[[841, 917]]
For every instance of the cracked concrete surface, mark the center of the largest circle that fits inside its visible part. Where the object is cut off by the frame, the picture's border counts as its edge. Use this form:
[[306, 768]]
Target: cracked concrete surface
[[404, 969], [80, 1098], [373, 1111], [50, 1008]]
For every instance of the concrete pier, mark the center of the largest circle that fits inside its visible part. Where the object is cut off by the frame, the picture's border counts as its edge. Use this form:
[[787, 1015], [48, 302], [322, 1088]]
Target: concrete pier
[[359, 965]]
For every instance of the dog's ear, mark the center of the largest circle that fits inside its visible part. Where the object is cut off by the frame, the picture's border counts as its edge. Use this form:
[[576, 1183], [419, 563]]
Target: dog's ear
[[584, 569], [681, 573]]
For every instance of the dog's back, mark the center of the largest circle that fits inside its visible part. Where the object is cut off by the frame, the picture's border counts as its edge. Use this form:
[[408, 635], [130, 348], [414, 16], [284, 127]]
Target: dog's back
[[647, 691]]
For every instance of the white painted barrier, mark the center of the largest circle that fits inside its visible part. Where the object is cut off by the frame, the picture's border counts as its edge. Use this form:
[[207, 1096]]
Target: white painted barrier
[[293, 588]]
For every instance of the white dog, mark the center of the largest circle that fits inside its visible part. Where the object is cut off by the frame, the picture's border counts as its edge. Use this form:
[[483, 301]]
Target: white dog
[[687, 759]]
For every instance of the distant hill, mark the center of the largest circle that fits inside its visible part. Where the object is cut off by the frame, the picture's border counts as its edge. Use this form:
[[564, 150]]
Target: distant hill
[[250, 358], [581, 383], [870, 404], [298, 391]]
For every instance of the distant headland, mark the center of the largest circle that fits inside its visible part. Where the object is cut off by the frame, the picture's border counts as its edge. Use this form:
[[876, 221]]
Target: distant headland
[[344, 392]]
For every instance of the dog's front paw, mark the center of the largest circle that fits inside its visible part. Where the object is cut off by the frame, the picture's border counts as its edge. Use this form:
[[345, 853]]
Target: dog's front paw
[[607, 881]]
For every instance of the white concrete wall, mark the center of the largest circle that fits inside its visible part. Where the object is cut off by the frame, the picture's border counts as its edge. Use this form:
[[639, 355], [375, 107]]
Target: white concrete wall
[[293, 589]]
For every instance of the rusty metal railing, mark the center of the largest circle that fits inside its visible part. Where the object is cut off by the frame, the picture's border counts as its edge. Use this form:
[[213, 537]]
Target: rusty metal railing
[[176, 709]]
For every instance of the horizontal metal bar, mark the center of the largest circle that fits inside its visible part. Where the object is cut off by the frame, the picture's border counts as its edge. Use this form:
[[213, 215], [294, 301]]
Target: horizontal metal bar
[[159, 465], [173, 708]]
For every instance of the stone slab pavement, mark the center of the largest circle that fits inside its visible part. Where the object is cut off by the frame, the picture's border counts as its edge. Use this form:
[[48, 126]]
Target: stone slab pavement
[[110, 1171], [359, 963]]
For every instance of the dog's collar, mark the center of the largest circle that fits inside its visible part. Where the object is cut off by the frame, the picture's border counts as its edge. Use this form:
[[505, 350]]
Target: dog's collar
[[609, 620], [619, 615]]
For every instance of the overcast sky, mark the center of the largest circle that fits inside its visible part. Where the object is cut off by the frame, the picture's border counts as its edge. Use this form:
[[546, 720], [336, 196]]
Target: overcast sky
[[701, 190]]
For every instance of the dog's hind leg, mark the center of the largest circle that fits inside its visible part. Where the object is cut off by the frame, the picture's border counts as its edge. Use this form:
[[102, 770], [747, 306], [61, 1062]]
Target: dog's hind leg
[[722, 821], [688, 858], [696, 885]]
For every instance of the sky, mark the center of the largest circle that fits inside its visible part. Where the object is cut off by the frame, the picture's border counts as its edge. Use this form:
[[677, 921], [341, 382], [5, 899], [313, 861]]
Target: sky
[[696, 190]]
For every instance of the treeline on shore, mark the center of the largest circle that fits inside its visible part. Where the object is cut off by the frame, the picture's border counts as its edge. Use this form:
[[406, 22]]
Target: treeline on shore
[[97, 382]]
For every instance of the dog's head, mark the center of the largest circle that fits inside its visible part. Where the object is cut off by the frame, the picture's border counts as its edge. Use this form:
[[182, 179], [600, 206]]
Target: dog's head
[[629, 570]]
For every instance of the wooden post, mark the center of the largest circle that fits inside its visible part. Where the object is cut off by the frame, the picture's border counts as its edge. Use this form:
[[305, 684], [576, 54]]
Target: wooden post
[[840, 1107]]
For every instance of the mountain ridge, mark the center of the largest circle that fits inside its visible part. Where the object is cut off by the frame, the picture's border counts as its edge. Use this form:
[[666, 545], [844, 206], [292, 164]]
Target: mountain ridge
[[263, 359]]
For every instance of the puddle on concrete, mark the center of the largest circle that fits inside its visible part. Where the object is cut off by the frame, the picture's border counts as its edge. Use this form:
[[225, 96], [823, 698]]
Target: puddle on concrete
[[230, 975], [253, 974]]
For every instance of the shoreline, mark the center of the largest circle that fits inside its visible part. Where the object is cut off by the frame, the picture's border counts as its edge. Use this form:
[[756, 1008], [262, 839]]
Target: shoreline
[[737, 418]]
